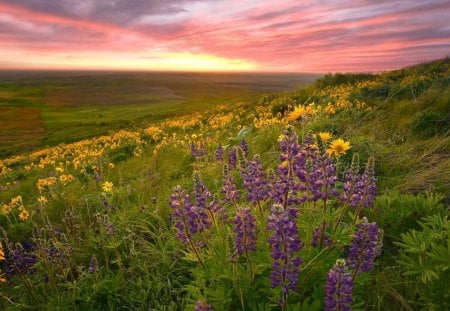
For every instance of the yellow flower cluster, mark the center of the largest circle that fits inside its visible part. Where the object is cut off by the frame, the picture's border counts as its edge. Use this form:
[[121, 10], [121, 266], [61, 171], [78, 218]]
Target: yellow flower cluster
[[154, 132], [220, 121], [301, 111], [264, 117], [184, 122], [4, 169], [15, 203], [66, 178], [45, 183]]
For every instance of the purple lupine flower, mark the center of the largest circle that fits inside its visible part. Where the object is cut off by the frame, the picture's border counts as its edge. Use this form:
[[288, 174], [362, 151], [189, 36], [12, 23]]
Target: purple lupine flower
[[317, 235], [368, 180], [201, 305], [285, 244], [315, 171], [338, 288], [219, 153], [350, 192], [229, 186], [366, 245], [254, 181], [245, 230], [232, 159], [20, 259], [194, 150], [189, 219], [203, 151], [283, 188], [55, 255], [244, 146], [201, 193], [93, 265]]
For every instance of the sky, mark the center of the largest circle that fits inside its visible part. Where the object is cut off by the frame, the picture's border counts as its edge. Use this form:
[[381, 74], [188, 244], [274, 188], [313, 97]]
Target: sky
[[223, 35]]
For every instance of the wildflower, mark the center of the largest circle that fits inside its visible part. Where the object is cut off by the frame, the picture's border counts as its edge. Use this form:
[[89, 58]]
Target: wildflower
[[107, 186], [369, 184], [189, 219], [20, 259], [366, 245], [201, 193], [23, 215], [338, 288], [2, 253], [93, 265], [300, 112], [232, 159], [254, 180], [285, 244], [219, 153], [324, 136], [338, 147], [59, 169], [229, 186], [42, 199], [201, 305], [244, 147], [351, 192], [245, 230], [111, 165], [319, 234]]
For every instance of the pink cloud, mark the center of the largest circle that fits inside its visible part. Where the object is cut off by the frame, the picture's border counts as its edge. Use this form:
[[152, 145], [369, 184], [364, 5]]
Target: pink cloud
[[285, 35]]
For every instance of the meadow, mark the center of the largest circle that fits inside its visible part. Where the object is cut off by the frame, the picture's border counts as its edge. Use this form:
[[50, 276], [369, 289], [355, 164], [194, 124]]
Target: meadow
[[39, 108], [332, 196]]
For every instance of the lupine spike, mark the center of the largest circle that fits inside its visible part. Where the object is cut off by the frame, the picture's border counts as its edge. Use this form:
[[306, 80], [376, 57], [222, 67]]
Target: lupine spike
[[201, 193], [219, 153], [232, 159], [229, 186], [366, 245], [245, 231], [338, 288], [285, 247], [244, 147]]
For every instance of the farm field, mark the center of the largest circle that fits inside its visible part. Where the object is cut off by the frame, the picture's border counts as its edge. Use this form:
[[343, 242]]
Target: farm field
[[226, 192], [46, 108]]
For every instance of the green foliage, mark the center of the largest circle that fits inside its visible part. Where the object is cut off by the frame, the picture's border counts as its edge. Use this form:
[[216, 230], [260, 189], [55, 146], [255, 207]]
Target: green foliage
[[141, 263], [425, 256], [430, 123]]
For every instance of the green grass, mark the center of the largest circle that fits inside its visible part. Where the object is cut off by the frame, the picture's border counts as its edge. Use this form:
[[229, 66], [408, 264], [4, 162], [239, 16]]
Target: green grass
[[130, 231], [78, 105]]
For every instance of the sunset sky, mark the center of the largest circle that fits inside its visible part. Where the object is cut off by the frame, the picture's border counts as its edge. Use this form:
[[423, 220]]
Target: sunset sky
[[236, 35]]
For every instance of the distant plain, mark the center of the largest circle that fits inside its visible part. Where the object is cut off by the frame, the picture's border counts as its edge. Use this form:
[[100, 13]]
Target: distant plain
[[44, 108]]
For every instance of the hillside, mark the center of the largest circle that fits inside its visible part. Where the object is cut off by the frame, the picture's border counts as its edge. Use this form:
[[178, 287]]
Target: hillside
[[277, 203]]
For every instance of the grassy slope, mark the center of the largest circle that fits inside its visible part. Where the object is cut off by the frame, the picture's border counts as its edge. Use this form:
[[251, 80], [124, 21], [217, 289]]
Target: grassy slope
[[141, 266], [70, 106]]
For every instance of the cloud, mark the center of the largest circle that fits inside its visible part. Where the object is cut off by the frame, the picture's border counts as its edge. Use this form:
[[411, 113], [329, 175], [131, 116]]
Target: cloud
[[315, 35]]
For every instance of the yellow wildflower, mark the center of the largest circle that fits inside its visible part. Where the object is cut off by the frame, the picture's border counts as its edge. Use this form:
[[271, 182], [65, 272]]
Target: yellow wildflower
[[59, 169], [24, 214], [281, 137], [2, 253], [111, 165], [299, 112], [42, 199], [338, 147], [107, 186], [324, 136]]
